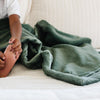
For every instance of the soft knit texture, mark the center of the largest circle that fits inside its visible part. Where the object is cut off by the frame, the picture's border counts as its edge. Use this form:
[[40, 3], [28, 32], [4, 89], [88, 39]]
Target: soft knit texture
[[61, 55]]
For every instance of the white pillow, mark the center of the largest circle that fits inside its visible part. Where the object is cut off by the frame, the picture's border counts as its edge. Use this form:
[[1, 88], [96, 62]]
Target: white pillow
[[25, 6], [78, 17]]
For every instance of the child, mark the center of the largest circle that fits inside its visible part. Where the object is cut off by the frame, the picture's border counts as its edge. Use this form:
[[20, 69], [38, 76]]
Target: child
[[10, 9]]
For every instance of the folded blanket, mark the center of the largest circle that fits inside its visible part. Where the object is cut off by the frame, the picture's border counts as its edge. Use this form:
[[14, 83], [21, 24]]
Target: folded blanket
[[61, 55]]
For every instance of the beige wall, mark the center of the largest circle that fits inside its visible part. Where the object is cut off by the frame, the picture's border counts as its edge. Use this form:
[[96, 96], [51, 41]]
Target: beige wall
[[79, 17]]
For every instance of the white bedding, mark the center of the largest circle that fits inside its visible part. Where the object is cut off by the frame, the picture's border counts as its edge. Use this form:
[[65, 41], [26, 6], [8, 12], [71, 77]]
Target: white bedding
[[26, 84], [80, 93]]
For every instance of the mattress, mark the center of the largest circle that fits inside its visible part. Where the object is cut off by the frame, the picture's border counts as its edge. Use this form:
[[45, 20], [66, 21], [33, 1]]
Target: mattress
[[27, 84]]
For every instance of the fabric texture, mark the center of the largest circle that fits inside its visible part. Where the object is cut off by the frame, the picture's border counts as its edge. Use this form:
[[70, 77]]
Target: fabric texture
[[79, 17], [9, 7], [61, 55]]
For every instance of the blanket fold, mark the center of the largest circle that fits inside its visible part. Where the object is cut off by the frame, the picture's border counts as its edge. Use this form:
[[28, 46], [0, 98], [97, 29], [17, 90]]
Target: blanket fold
[[61, 55]]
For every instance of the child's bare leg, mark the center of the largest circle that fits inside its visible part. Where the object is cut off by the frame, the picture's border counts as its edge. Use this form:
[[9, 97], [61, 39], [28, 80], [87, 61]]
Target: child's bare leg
[[10, 59]]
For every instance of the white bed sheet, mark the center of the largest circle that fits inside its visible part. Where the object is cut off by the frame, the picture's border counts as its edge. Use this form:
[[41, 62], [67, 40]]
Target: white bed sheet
[[26, 84]]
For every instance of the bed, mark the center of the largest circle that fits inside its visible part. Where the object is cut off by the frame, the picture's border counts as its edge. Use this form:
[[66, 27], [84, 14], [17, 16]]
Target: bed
[[79, 17], [26, 84]]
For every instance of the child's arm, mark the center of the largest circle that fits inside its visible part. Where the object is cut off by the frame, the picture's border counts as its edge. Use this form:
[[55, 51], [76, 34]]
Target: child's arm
[[16, 32], [13, 51]]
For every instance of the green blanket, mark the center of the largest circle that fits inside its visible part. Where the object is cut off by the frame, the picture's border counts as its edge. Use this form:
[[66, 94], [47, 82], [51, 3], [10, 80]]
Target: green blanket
[[61, 55]]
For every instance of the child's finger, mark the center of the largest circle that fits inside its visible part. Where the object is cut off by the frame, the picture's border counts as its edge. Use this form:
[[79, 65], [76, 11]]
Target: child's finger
[[15, 45], [18, 50], [11, 40], [18, 47], [2, 56]]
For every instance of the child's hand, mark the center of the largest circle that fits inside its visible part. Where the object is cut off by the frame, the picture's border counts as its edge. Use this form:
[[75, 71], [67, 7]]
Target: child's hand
[[16, 45], [2, 60]]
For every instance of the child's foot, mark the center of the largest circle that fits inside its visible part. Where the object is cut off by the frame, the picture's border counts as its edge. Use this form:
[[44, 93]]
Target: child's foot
[[10, 60]]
